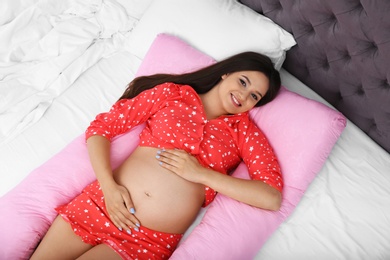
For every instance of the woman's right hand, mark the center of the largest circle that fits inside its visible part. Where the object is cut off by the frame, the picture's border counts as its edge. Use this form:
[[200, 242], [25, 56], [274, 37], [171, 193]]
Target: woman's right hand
[[120, 207]]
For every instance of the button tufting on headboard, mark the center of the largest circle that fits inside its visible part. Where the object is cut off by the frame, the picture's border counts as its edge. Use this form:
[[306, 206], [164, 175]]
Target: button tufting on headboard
[[343, 53]]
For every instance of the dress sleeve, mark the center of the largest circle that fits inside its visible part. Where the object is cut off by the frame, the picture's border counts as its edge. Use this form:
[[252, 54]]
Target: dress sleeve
[[128, 113], [258, 155]]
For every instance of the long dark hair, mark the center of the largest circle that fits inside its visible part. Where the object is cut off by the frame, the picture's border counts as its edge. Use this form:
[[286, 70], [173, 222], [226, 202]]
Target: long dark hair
[[206, 78]]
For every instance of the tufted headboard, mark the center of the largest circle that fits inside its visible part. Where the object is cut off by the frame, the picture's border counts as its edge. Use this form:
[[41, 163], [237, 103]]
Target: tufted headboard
[[342, 53]]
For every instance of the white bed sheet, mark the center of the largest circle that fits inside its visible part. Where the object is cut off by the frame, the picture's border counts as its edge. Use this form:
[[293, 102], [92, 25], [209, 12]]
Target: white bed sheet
[[345, 213], [67, 117], [53, 57]]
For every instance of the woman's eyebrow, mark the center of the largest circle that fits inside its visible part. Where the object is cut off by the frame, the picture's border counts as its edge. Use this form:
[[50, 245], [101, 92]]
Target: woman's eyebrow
[[247, 79]]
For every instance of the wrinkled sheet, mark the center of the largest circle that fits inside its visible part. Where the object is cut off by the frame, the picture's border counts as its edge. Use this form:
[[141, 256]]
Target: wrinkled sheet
[[45, 47], [345, 213]]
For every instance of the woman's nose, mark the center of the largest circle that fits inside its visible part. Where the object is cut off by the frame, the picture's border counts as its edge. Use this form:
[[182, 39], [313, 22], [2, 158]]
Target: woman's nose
[[244, 95]]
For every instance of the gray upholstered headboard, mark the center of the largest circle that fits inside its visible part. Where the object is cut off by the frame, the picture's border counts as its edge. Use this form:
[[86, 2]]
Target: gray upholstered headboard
[[342, 53]]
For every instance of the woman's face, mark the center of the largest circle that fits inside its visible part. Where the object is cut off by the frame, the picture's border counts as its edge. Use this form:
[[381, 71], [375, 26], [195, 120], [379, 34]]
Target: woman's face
[[240, 91]]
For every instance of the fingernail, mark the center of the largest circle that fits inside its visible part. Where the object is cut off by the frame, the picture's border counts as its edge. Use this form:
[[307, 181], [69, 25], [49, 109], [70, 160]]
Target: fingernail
[[137, 224], [128, 231], [158, 156], [160, 163], [159, 151], [120, 229], [136, 229], [132, 210]]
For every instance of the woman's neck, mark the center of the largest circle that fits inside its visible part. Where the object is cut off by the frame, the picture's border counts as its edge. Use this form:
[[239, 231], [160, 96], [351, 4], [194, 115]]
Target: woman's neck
[[211, 104]]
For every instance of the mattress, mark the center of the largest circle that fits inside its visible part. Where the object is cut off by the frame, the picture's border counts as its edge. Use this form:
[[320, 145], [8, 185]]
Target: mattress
[[344, 214]]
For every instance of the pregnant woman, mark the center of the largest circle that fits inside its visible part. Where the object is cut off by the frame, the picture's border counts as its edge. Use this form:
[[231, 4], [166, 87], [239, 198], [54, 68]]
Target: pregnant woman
[[197, 132]]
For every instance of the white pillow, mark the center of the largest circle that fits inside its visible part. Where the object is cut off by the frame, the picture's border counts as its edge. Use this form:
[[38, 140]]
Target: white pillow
[[219, 28]]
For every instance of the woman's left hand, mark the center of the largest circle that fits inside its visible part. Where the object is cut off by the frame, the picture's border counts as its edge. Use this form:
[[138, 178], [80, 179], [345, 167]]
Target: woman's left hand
[[181, 163]]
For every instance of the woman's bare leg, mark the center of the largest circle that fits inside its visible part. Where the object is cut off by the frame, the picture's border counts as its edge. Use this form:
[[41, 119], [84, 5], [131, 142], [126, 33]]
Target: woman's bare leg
[[101, 251], [60, 242]]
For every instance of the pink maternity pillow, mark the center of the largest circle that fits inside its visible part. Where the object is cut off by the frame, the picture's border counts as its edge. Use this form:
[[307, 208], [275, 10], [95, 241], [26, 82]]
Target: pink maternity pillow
[[301, 131]]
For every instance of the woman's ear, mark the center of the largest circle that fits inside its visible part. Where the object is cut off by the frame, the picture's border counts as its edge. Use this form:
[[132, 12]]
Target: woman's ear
[[224, 76]]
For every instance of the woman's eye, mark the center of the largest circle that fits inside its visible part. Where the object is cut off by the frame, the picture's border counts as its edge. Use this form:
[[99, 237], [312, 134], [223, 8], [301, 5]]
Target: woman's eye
[[243, 82], [255, 97]]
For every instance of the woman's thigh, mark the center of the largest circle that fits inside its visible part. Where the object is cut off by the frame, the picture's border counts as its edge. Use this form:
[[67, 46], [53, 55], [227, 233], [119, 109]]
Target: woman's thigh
[[60, 242], [101, 251]]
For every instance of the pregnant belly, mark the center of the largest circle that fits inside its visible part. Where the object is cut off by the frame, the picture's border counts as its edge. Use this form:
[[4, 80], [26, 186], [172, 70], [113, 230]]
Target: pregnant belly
[[163, 201]]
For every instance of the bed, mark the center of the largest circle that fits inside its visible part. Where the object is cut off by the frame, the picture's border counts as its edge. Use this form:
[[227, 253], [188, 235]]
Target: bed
[[63, 63]]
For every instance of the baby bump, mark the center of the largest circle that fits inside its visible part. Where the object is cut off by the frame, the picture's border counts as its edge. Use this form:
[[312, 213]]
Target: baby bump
[[163, 201]]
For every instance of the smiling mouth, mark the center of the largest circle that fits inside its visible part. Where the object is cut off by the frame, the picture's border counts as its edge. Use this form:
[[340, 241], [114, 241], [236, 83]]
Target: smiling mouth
[[235, 101]]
